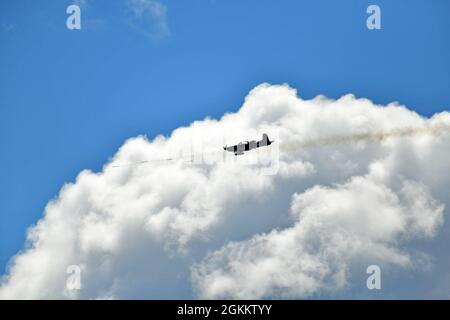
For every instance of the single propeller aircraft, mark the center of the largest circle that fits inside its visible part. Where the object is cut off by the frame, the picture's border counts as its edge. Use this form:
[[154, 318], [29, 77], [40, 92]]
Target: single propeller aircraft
[[243, 146]]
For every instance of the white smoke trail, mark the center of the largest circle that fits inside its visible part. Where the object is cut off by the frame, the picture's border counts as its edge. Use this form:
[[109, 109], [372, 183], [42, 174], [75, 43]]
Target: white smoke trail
[[435, 129]]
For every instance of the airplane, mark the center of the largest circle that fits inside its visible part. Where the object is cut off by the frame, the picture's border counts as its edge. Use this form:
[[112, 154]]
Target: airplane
[[241, 147]]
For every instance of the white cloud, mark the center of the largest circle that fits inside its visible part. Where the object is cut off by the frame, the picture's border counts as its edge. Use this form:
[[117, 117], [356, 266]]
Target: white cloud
[[354, 223], [150, 17], [173, 229]]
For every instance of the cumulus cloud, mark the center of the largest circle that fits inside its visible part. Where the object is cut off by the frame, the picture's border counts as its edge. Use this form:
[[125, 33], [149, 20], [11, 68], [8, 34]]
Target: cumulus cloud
[[333, 229], [294, 220]]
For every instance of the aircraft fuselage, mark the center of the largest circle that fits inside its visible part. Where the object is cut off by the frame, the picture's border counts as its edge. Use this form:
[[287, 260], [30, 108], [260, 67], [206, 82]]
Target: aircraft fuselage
[[241, 147]]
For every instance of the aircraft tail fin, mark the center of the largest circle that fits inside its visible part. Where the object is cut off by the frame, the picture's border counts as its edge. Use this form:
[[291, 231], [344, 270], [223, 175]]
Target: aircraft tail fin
[[265, 139]]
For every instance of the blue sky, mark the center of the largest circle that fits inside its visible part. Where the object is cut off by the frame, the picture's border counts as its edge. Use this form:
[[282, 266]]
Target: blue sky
[[68, 99]]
